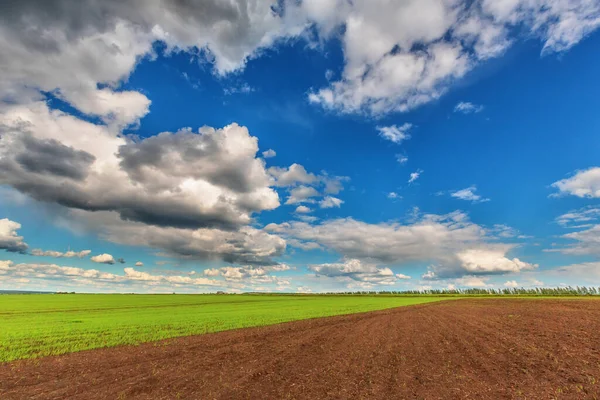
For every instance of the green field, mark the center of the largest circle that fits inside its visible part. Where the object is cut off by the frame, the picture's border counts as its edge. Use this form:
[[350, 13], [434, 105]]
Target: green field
[[40, 325]]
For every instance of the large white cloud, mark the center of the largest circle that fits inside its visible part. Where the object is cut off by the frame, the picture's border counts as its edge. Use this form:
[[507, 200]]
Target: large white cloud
[[399, 55], [453, 245], [9, 238], [57, 46], [204, 179]]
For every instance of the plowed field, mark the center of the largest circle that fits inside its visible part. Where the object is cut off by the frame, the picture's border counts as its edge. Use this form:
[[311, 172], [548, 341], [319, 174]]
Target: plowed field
[[464, 349]]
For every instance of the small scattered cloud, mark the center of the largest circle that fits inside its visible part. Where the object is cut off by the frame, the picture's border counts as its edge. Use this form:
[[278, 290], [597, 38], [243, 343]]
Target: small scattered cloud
[[269, 153], [511, 284], [330, 202], [302, 210], [469, 194], [103, 259], [394, 133], [467, 107], [139, 264], [415, 175], [244, 88], [393, 196], [401, 158]]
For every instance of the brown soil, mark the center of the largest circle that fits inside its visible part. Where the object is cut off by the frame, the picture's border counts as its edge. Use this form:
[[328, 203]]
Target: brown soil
[[465, 349]]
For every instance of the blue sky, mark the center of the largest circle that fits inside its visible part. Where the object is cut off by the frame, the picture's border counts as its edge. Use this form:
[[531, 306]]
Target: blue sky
[[328, 146]]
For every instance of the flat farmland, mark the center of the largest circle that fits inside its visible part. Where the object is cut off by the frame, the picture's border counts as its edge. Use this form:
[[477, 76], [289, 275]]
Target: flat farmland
[[40, 325], [464, 349]]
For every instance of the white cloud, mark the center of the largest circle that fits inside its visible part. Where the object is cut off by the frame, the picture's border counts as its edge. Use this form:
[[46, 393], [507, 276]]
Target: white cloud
[[295, 174], [139, 264], [9, 238], [393, 195], [399, 55], [212, 272], [103, 259], [485, 261], [356, 270], [454, 245], [471, 281], [579, 218], [269, 153], [401, 158], [251, 275], [396, 134], [302, 210], [330, 202], [57, 276], [59, 254], [415, 175], [587, 242], [244, 245], [469, 194], [468, 108], [402, 276], [511, 284], [585, 183], [302, 194], [185, 179]]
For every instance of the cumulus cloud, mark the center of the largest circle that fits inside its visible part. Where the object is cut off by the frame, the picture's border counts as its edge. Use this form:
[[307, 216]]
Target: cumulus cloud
[[295, 174], [511, 284], [454, 245], [485, 261], [393, 196], [415, 175], [60, 254], [104, 258], [585, 183], [467, 107], [185, 179], [251, 274], [39, 39], [395, 134], [269, 153], [469, 194], [399, 55], [55, 276], [356, 270], [247, 245], [302, 194], [9, 238], [302, 210], [330, 202], [139, 264]]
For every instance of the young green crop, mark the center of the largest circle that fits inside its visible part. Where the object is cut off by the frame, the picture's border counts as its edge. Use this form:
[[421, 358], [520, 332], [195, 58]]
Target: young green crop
[[40, 325]]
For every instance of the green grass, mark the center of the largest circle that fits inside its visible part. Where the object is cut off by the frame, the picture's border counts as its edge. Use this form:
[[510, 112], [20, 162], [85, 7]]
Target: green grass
[[40, 325]]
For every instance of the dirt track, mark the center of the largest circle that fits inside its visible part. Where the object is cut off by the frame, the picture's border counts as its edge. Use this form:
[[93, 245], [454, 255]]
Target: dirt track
[[466, 349]]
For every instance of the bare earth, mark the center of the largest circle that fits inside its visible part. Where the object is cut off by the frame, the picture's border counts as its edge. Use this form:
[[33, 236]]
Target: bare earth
[[464, 349]]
